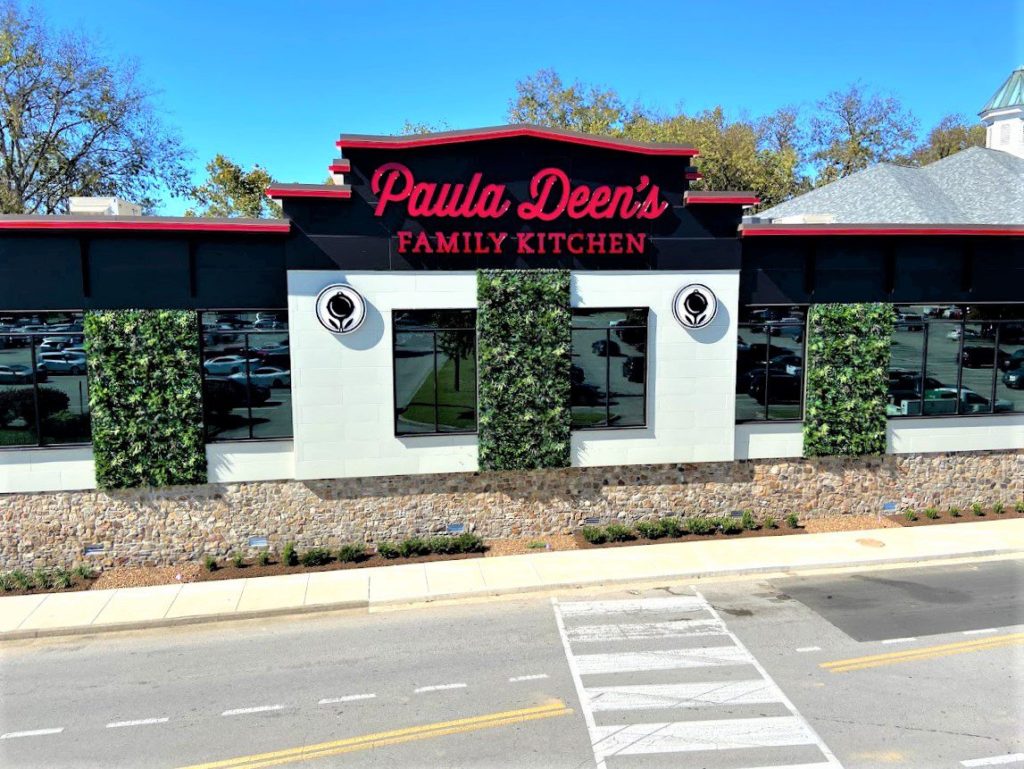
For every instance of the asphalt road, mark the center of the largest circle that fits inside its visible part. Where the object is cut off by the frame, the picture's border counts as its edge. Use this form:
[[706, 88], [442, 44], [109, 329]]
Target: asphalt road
[[746, 673]]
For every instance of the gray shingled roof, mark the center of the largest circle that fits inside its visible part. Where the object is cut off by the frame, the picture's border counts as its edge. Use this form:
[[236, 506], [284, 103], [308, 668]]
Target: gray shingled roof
[[974, 186]]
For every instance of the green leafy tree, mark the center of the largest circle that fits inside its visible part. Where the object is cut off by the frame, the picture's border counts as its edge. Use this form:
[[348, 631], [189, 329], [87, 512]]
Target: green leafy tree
[[543, 99], [952, 134], [764, 157], [854, 128], [230, 190], [74, 123]]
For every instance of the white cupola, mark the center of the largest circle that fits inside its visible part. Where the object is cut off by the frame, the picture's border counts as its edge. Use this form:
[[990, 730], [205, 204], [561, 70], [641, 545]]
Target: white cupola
[[1003, 116]]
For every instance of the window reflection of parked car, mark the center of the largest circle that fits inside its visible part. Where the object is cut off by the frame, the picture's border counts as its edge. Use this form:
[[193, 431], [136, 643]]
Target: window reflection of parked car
[[781, 389], [269, 324], [970, 401], [18, 374], [968, 333], [606, 349], [266, 376], [633, 369], [983, 357], [910, 321], [229, 364], [1014, 378], [222, 395], [61, 363], [790, 364]]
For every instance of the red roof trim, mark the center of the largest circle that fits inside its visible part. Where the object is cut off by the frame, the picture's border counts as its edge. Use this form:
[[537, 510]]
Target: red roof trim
[[692, 198], [144, 226], [340, 167], [326, 191], [508, 132], [767, 230]]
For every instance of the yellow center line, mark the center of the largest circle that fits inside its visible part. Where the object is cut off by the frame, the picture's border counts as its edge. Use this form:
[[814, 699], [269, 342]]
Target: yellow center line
[[925, 652], [393, 737]]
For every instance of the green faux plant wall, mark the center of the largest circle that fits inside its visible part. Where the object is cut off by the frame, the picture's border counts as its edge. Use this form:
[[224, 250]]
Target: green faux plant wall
[[524, 348], [145, 394], [848, 348]]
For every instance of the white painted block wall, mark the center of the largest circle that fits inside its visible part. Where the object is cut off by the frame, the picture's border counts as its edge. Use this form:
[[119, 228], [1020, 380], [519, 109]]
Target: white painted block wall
[[342, 386], [691, 375]]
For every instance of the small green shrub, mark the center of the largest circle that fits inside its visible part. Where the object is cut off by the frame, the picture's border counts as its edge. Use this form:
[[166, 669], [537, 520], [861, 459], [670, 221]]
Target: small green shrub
[[673, 526], [536, 545], [617, 532], [931, 512], [61, 578], [910, 515], [442, 545], [792, 521], [237, 560], [6, 582], [700, 524], [263, 559], [595, 535], [770, 522], [43, 578], [387, 550], [413, 546], [352, 553], [977, 509], [650, 529], [954, 512], [998, 508], [316, 556], [84, 571], [22, 579], [288, 555], [748, 521], [729, 525], [210, 563], [467, 542], [1019, 506]]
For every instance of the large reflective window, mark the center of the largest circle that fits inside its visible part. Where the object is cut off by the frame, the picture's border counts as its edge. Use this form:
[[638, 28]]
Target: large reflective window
[[967, 356], [435, 371], [609, 368], [44, 389], [770, 363], [247, 379]]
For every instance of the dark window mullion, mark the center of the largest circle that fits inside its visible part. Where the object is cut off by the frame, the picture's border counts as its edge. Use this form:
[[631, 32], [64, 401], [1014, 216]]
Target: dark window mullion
[[35, 391], [437, 407], [608, 378], [248, 381], [960, 365], [995, 369], [767, 358]]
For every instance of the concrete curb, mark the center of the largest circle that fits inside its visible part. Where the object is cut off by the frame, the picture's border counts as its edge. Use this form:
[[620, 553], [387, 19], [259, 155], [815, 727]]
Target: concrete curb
[[16, 635]]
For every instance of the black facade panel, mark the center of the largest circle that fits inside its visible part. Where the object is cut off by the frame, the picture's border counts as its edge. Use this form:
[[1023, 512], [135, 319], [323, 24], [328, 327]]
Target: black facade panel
[[930, 270], [998, 270], [40, 273], [143, 273], [774, 271], [239, 274], [850, 271]]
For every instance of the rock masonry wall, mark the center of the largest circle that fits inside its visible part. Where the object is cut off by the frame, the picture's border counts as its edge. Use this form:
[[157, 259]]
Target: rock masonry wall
[[168, 526]]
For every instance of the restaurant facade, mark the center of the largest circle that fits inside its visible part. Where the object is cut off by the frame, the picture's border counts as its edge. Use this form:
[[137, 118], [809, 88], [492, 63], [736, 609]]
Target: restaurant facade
[[512, 330]]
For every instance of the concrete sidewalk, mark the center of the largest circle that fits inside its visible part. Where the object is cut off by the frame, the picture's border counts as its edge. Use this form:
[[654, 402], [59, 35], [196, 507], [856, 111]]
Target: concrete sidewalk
[[128, 608]]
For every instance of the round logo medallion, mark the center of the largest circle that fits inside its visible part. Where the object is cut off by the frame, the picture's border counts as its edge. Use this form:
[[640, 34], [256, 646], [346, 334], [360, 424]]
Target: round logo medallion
[[340, 309], [695, 305]]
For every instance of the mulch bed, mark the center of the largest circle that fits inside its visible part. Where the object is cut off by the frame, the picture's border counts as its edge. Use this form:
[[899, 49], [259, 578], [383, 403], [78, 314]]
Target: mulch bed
[[77, 584], [274, 568], [582, 544], [966, 516]]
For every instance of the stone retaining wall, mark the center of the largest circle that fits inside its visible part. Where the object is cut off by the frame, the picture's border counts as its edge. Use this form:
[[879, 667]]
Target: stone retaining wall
[[166, 526]]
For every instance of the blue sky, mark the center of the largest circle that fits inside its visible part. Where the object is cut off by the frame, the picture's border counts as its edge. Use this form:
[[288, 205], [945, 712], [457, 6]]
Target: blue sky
[[275, 82]]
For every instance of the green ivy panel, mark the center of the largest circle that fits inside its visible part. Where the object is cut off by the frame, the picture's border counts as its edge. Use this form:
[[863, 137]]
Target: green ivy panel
[[145, 395], [524, 348], [847, 369]]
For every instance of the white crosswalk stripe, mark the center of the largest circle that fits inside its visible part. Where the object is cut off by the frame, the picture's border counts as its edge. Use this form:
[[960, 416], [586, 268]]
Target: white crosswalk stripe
[[702, 696]]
